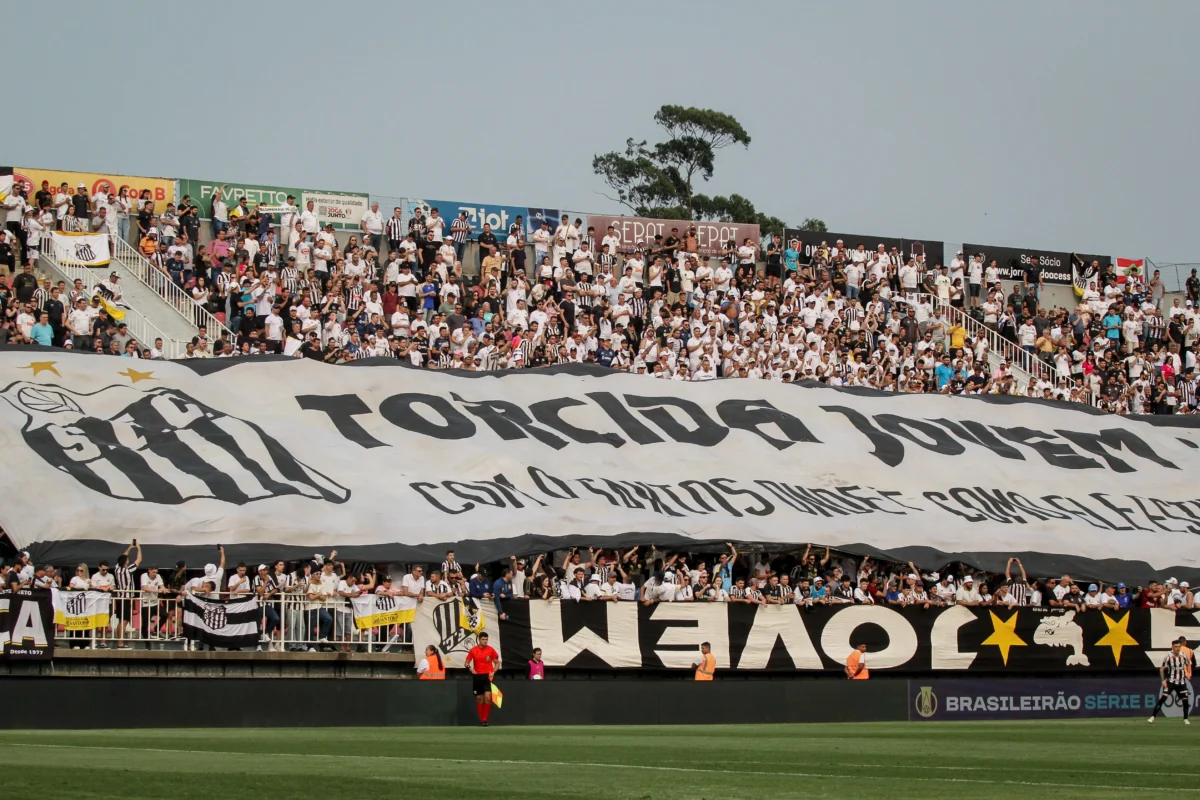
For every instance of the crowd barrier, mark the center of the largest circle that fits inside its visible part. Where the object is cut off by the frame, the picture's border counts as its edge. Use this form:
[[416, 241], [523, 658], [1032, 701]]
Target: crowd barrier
[[297, 625]]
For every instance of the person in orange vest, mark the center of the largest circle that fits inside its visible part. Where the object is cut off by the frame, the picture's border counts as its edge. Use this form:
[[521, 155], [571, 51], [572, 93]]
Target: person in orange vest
[[856, 664], [707, 664], [432, 668], [1188, 654]]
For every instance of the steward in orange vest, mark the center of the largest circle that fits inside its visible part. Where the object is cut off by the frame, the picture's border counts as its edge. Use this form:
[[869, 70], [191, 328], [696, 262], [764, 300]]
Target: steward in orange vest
[[432, 668]]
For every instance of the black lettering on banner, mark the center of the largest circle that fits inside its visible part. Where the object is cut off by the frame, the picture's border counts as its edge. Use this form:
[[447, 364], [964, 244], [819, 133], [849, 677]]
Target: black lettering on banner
[[888, 449], [626, 497], [1114, 439], [464, 490], [968, 499], [1155, 519], [690, 486], [596, 490], [785, 493], [1182, 506], [503, 485], [1033, 509], [509, 421], [1162, 506], [342, 409], [421, 487], [765, 508], [398, 410], [1001, 503], [547, 413], [541, 478], [1124, 511], [750, 415], [804, 494], [669, 491], [978, 434], [656, 503], [634, 428], [707, 432], [1078, 509], [871, 502], [940, 500], [939, 441], [1056, 454], [891, 496]]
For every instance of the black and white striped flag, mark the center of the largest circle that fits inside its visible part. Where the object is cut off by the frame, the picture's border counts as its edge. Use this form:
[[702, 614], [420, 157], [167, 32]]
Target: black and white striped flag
[[221, 624]]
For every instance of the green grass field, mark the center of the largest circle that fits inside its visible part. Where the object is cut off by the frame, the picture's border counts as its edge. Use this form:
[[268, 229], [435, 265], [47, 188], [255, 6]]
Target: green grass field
[[1077, 759]]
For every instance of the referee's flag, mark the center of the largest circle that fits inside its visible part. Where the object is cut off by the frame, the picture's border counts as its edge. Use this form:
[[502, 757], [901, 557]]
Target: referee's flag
[[497, 697]]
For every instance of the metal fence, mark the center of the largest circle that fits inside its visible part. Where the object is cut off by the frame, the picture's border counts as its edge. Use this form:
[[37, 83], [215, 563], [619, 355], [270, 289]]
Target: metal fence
[[286, 623]]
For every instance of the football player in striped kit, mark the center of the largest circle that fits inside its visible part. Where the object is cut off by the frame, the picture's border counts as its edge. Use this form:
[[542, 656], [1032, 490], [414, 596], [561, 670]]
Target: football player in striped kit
[[1175, 671]]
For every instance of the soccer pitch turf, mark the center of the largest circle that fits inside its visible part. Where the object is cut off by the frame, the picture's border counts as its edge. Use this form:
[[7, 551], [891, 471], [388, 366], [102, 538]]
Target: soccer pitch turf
[[1107, 758]]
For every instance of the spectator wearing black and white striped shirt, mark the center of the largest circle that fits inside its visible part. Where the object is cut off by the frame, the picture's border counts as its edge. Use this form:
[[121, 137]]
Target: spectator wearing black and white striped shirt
[[460, 232], [123, 598], [395, 230], [1018, 590]]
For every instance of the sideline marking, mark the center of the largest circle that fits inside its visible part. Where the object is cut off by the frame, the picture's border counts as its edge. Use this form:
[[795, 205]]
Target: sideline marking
[[523, 763]]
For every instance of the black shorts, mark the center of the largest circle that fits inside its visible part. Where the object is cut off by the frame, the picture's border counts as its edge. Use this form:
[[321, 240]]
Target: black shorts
[[122, 608], [480, 685], [1180, 690]]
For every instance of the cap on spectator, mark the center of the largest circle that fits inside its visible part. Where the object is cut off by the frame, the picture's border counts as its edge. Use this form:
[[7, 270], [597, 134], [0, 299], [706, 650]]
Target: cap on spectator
[[83, 186], [968, 579], [1185, 585], [1171, 581], [912, 576], [819, 579], [1120, 586], [210, 570], [595, 577], [262, 567], [1093, 588]]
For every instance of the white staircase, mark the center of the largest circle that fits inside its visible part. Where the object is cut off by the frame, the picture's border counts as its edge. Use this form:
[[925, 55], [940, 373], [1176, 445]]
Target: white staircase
[[1025, 368], [160, 299], [174, 346]]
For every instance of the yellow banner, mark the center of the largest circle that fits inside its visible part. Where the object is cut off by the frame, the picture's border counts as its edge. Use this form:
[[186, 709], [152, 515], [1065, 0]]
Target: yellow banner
[[384, 618], [88, 623], [162, 190]]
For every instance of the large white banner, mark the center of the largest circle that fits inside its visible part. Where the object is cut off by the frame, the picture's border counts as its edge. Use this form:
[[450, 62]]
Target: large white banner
[[81, 249], [385, 461]]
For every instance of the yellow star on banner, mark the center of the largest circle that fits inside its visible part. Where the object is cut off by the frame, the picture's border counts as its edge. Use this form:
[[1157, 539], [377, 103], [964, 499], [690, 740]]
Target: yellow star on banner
[[135, 376], [1004, 634], [1117, 636], [39, 367]]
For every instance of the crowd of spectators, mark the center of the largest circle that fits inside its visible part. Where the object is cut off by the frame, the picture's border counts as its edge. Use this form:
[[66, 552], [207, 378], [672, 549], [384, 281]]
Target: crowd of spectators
[[844, 315], [310, 598]]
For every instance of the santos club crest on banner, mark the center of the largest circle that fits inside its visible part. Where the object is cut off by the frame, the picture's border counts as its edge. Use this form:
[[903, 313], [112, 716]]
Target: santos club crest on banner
[[81, 249], [391, 463]]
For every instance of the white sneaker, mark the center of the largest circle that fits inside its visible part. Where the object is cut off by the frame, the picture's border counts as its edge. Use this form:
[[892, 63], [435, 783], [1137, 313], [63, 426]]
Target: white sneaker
[[1187, 722], [324, 640], [1151, 720]]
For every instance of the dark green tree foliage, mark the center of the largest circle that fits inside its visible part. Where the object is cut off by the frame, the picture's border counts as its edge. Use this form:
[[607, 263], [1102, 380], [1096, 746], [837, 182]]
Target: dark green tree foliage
[[659, 180]]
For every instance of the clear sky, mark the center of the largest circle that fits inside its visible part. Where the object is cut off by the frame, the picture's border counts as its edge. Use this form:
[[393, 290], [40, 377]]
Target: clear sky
[[1056, 125]]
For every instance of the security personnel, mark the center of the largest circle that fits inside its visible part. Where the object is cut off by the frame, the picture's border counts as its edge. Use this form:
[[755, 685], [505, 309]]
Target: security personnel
[[856, 664], [707, 664], [432, 668]]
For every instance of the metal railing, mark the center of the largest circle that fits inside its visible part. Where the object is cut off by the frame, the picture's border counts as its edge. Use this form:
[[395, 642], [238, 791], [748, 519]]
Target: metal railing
[[286, 623], [1033, 367], [164, 286], [139, 327]]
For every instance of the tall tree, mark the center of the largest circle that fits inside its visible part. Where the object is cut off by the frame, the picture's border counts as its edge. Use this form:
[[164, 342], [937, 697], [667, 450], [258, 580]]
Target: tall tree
[[659, 180]]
